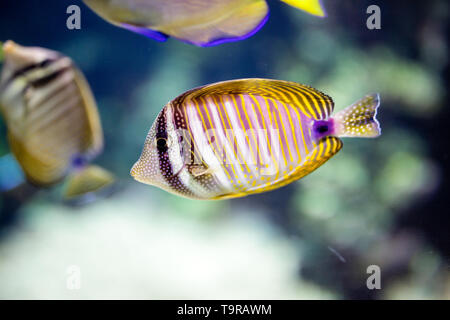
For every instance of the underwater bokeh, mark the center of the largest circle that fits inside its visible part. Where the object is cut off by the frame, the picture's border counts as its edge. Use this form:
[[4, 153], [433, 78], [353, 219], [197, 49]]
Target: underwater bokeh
[[378, 202]]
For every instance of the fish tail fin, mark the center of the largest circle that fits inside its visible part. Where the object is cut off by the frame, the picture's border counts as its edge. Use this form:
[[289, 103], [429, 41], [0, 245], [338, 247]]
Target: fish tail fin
[[313, 7], [88, 180], [359, 119]]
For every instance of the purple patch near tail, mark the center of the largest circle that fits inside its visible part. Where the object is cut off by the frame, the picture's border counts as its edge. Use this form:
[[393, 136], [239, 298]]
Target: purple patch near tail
[[218, 41], [155, 35], [323, 128], [78, 162]]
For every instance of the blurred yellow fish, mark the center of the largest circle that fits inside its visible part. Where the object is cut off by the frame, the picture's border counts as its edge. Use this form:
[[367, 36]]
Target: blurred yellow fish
[[53, 125], [199, 22]]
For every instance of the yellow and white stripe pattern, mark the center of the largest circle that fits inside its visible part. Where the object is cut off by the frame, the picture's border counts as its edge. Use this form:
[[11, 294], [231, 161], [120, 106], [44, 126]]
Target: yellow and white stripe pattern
[[236, 138]]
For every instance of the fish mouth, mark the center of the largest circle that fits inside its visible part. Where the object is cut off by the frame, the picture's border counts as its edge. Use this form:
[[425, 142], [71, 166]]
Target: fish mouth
[[134, 172], [8, 46], [16, 53]]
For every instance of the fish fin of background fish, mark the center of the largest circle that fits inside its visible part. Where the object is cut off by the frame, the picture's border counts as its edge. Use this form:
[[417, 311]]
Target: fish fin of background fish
[[242, 23], [310, 101], [313, 7], [87, 181], [359, 119], [95, 140], [155, 35], [11, 175]]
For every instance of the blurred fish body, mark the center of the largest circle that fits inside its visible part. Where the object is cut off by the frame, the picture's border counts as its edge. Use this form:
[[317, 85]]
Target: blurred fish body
[[199, 22], [240, 137], [53, 125]]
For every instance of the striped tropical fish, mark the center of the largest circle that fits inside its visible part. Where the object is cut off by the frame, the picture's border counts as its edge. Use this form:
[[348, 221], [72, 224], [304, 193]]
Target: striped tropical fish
[[239, 137], [53, 124], [199, 22]]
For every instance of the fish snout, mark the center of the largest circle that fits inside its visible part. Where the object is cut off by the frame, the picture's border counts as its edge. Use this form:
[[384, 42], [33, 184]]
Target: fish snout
[[16, 53], [140, 174], [19, 56], [134, 172]]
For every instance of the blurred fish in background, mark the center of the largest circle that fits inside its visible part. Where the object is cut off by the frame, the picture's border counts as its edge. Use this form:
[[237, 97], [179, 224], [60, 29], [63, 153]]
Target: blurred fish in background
[[54, 129], [200, 22], [240, 137]]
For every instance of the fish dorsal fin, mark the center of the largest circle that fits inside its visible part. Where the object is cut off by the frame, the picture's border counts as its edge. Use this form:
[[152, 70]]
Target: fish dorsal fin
[[311, 102], [326, 148], [94, 140]]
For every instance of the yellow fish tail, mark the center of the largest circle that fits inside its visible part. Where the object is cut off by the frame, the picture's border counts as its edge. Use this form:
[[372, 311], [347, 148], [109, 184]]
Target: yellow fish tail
[[359, 120], [313, 7], [87, 181]]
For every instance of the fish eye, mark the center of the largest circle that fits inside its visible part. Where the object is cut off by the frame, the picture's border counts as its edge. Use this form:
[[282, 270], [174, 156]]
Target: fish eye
[[162, 144]]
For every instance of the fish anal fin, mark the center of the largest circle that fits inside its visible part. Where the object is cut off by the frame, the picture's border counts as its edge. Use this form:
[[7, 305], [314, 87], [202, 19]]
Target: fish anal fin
[[233, 23], [149, 33], [326, 148]]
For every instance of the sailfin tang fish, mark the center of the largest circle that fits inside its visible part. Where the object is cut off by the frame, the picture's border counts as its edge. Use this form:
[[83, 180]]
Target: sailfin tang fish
[[50, 113], [199, 22], [240, 137]]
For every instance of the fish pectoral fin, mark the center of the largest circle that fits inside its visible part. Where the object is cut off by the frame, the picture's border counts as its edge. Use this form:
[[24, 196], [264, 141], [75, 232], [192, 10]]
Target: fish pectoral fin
[[87, 180], [201, 169]]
